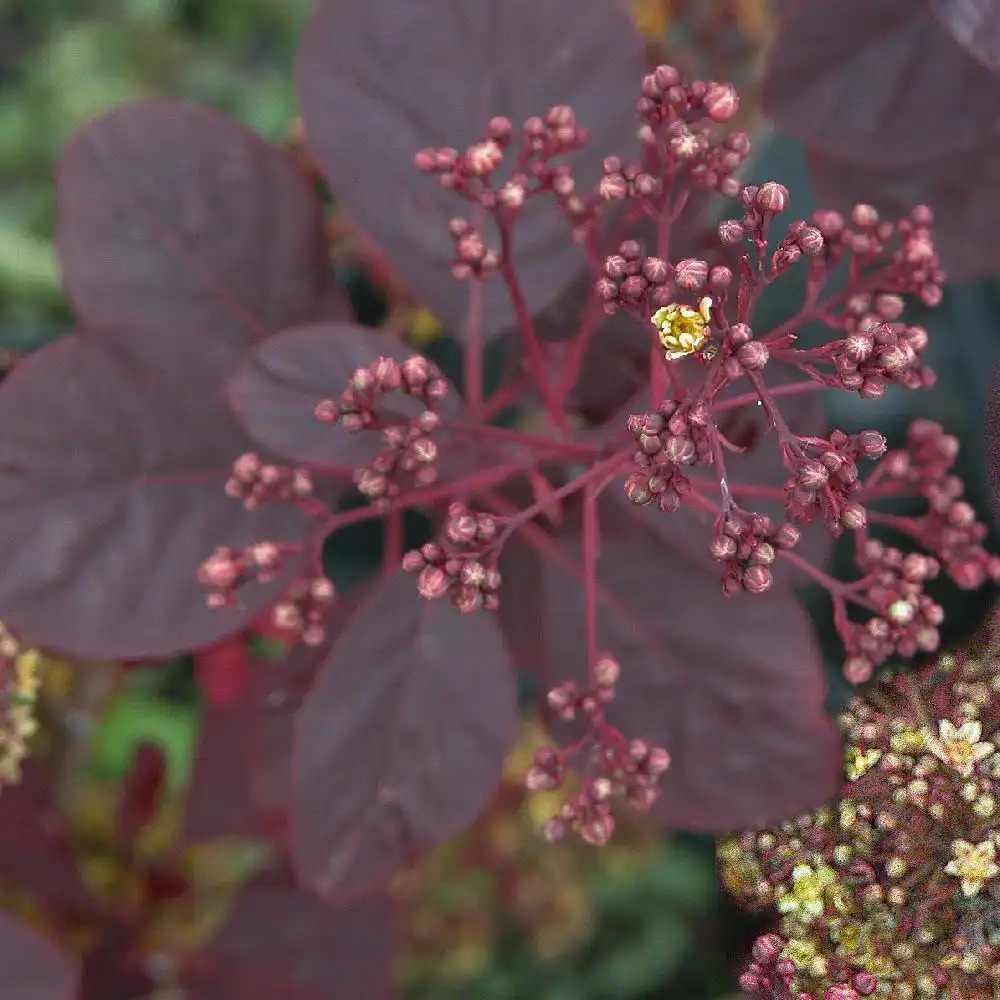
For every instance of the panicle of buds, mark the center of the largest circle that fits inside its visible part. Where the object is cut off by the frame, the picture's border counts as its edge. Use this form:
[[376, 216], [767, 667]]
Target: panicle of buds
[[614, 769], [459, 565], [747, 545], [825, 479], [893, 889], [635, 282], [674, 438], [20, 680], [255, 482], [409, 446], [227, 569], [305, 608]]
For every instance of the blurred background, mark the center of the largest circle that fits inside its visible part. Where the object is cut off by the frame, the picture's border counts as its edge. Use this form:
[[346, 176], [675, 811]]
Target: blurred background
[[497, 915]]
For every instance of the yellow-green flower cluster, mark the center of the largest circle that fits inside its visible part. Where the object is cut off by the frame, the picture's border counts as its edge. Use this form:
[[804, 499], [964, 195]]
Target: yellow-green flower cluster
[[19, 683], [899, 878]]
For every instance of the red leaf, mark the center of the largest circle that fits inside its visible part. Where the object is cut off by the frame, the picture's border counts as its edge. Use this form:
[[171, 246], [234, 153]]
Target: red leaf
[[33, 967], [222, 671], [964, 228], [275, 392], [401, 741], [177, 216], [379, 80], [975, 25], [115, 451], [284, 943], [733, 688], [876, 82]]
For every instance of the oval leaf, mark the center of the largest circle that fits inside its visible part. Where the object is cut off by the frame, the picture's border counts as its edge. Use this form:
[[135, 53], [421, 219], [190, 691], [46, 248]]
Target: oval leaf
[[113, 460], [733, 688], [33, 967], [854, 78], [175, 215], [975, 25], [381, 79], [402, 739]]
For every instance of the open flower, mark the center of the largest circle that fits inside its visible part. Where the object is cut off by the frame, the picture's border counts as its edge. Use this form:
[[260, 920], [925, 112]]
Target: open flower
[[810, 887], [959, 748], [973, 864], [683, 330]]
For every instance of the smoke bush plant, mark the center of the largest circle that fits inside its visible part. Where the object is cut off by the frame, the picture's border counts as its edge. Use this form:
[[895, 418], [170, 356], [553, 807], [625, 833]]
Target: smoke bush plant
[[631, 535]]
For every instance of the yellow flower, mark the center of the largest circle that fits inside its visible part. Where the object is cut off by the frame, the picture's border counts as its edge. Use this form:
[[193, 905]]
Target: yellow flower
[[809, 888], [959, 748], [858, 762], [973, 864], [683, 330]]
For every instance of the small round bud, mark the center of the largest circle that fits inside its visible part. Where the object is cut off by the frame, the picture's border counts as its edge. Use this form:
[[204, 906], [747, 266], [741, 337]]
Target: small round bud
[[730, 233], [691, 273], [721, 102], [753, 356], [772, 197]]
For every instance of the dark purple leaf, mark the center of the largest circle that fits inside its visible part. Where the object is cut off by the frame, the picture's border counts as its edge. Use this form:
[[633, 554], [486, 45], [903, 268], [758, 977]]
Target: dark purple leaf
[[402, 739], [975, 25], [733, 688], [965, 226], [116, 448], [275, 392], [33, 968], [299, 948], [36, 848], [381, 79], [176, 216], [876, 82]]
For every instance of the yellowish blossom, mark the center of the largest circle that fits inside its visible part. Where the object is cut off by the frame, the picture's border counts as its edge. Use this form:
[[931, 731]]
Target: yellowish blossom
[[858, 762], [973, 864], [811, 888], [908, 741], [683, 330], [959, 748]]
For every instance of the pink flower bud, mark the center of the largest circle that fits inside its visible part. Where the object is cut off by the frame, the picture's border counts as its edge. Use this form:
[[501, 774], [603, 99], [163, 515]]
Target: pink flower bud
[[721, 101], [772, 197]]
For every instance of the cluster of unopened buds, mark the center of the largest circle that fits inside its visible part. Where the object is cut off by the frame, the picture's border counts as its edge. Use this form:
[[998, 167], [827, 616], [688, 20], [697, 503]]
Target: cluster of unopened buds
[[460, 566], [304, 609], [254, 482], [614, 768], [893, 890], [409, 446]]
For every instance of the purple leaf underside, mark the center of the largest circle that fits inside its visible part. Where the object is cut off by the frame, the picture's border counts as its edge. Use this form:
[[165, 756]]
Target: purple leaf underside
[[379, 80], [176, 216], [876, 83], [733, 688], [116, 448], [975, 25], [33, 967], [401, 741]]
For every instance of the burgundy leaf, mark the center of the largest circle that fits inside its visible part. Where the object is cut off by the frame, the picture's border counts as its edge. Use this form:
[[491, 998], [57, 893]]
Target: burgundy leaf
[[283, 942], [381, 79], [876, 82], [34, 968], [733, 688], [177, 216], [116, 448], [965, 227], [401, 741], [275, 392], [975, 25], [36, 849]]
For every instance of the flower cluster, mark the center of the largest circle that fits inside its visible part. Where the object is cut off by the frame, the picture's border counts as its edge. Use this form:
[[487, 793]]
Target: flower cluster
[[460, 566], [19, 683], [409, 446], [613, 768], [895, 887]]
